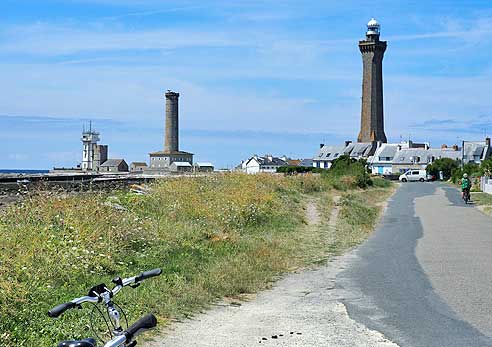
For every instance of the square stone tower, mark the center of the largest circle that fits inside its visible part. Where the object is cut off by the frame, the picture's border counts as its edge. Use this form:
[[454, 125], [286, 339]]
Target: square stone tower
[[372, 117]]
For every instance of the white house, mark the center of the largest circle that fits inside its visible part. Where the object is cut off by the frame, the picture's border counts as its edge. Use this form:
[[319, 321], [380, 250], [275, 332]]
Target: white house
[[267, 163], [327, 154], [381, 162]]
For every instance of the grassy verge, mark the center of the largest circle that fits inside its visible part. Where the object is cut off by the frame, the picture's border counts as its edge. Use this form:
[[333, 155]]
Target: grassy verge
[[359, 212], [213, 237], [483, 201]]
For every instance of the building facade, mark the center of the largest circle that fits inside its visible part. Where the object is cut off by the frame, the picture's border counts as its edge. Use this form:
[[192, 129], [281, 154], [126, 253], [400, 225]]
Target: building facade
[[137, 167], [267, 163], [114, 165]]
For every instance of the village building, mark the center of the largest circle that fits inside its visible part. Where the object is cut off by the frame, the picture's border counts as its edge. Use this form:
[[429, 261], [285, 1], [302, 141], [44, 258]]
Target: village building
[[381, 162], [418, 158], [203, 167], [267, 163], [476, 151], [137, 166], [114, 165], [181, 166], [327, 154], [306, 163]]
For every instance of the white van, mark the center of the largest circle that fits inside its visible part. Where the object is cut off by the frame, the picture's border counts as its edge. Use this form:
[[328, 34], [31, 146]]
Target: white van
[[414, 175]]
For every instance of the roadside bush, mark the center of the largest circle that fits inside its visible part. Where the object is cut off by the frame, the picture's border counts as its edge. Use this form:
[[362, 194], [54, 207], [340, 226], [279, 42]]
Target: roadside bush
[[298, 169], [346, 173], [380, 182], [486, 168], [446, 165], [472, 169]]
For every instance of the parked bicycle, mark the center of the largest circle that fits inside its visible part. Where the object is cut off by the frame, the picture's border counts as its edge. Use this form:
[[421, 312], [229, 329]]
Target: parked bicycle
[[101, 294]]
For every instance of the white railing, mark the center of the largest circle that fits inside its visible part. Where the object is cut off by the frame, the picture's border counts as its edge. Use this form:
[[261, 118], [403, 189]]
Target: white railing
[[486, 184]]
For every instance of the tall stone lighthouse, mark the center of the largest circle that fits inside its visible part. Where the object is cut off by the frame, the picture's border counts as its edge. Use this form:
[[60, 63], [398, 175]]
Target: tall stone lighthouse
[[372, 116]]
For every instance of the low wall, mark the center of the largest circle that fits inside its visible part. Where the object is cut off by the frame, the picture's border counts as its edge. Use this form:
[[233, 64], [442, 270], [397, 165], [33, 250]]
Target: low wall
[[486, 184]]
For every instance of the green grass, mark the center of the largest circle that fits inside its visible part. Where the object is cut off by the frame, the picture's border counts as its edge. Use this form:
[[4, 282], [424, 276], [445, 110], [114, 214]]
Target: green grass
[[213, 237], [359, 212], [482, 198]]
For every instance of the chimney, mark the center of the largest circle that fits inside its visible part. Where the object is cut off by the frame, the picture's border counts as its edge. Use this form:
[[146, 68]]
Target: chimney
[[347, 143], [321, 145], [487, 141], [444, 146], [172, 129], [455, 147]]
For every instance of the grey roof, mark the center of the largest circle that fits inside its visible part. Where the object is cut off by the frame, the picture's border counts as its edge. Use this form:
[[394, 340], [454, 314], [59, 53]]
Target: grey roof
[[361, 149], [112, 162], [272, 161], [330, 153], [411, 156], [306, 162], [445, 153], [204, 164], [387, 151], [423, 156], [138, 163], [472, 149]]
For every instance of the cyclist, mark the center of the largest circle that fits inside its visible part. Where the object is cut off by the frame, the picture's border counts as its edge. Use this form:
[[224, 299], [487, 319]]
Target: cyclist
[[465, 186]]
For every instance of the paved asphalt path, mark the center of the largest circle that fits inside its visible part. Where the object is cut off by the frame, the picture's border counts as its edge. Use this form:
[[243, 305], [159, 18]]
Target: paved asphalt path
[[424, 278]]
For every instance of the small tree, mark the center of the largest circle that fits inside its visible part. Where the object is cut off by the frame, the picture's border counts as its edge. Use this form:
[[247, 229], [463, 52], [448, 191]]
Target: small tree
[[346, 166], [472, 169], [486, 168], [446, 165]]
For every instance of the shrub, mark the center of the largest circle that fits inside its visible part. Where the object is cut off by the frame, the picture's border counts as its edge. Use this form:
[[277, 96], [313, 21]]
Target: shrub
[[472, 169], [298, 169], [380, 182], [345, 166], [446, 165]]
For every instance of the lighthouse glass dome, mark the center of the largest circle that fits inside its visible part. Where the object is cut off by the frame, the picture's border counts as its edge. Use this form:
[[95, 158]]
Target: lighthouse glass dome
[[373, 27]]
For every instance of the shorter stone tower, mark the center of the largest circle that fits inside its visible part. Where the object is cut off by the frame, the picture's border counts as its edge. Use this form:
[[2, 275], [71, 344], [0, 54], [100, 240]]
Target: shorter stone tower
[[164, 160], [171, 143], [372, 116]]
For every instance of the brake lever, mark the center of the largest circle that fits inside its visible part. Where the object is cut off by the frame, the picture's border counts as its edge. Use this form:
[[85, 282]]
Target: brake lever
[[134, 285]]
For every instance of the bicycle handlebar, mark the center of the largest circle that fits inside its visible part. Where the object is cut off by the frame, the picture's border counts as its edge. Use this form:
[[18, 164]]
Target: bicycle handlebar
[[60, 309], [145, 323], [148, 274]]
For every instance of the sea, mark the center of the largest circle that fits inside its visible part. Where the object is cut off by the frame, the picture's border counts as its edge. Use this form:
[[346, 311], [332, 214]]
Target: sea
[[22, 171]]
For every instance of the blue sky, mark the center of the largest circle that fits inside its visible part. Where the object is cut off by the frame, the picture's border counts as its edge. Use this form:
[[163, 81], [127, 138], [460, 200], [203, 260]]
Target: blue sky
[[254, 76]]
